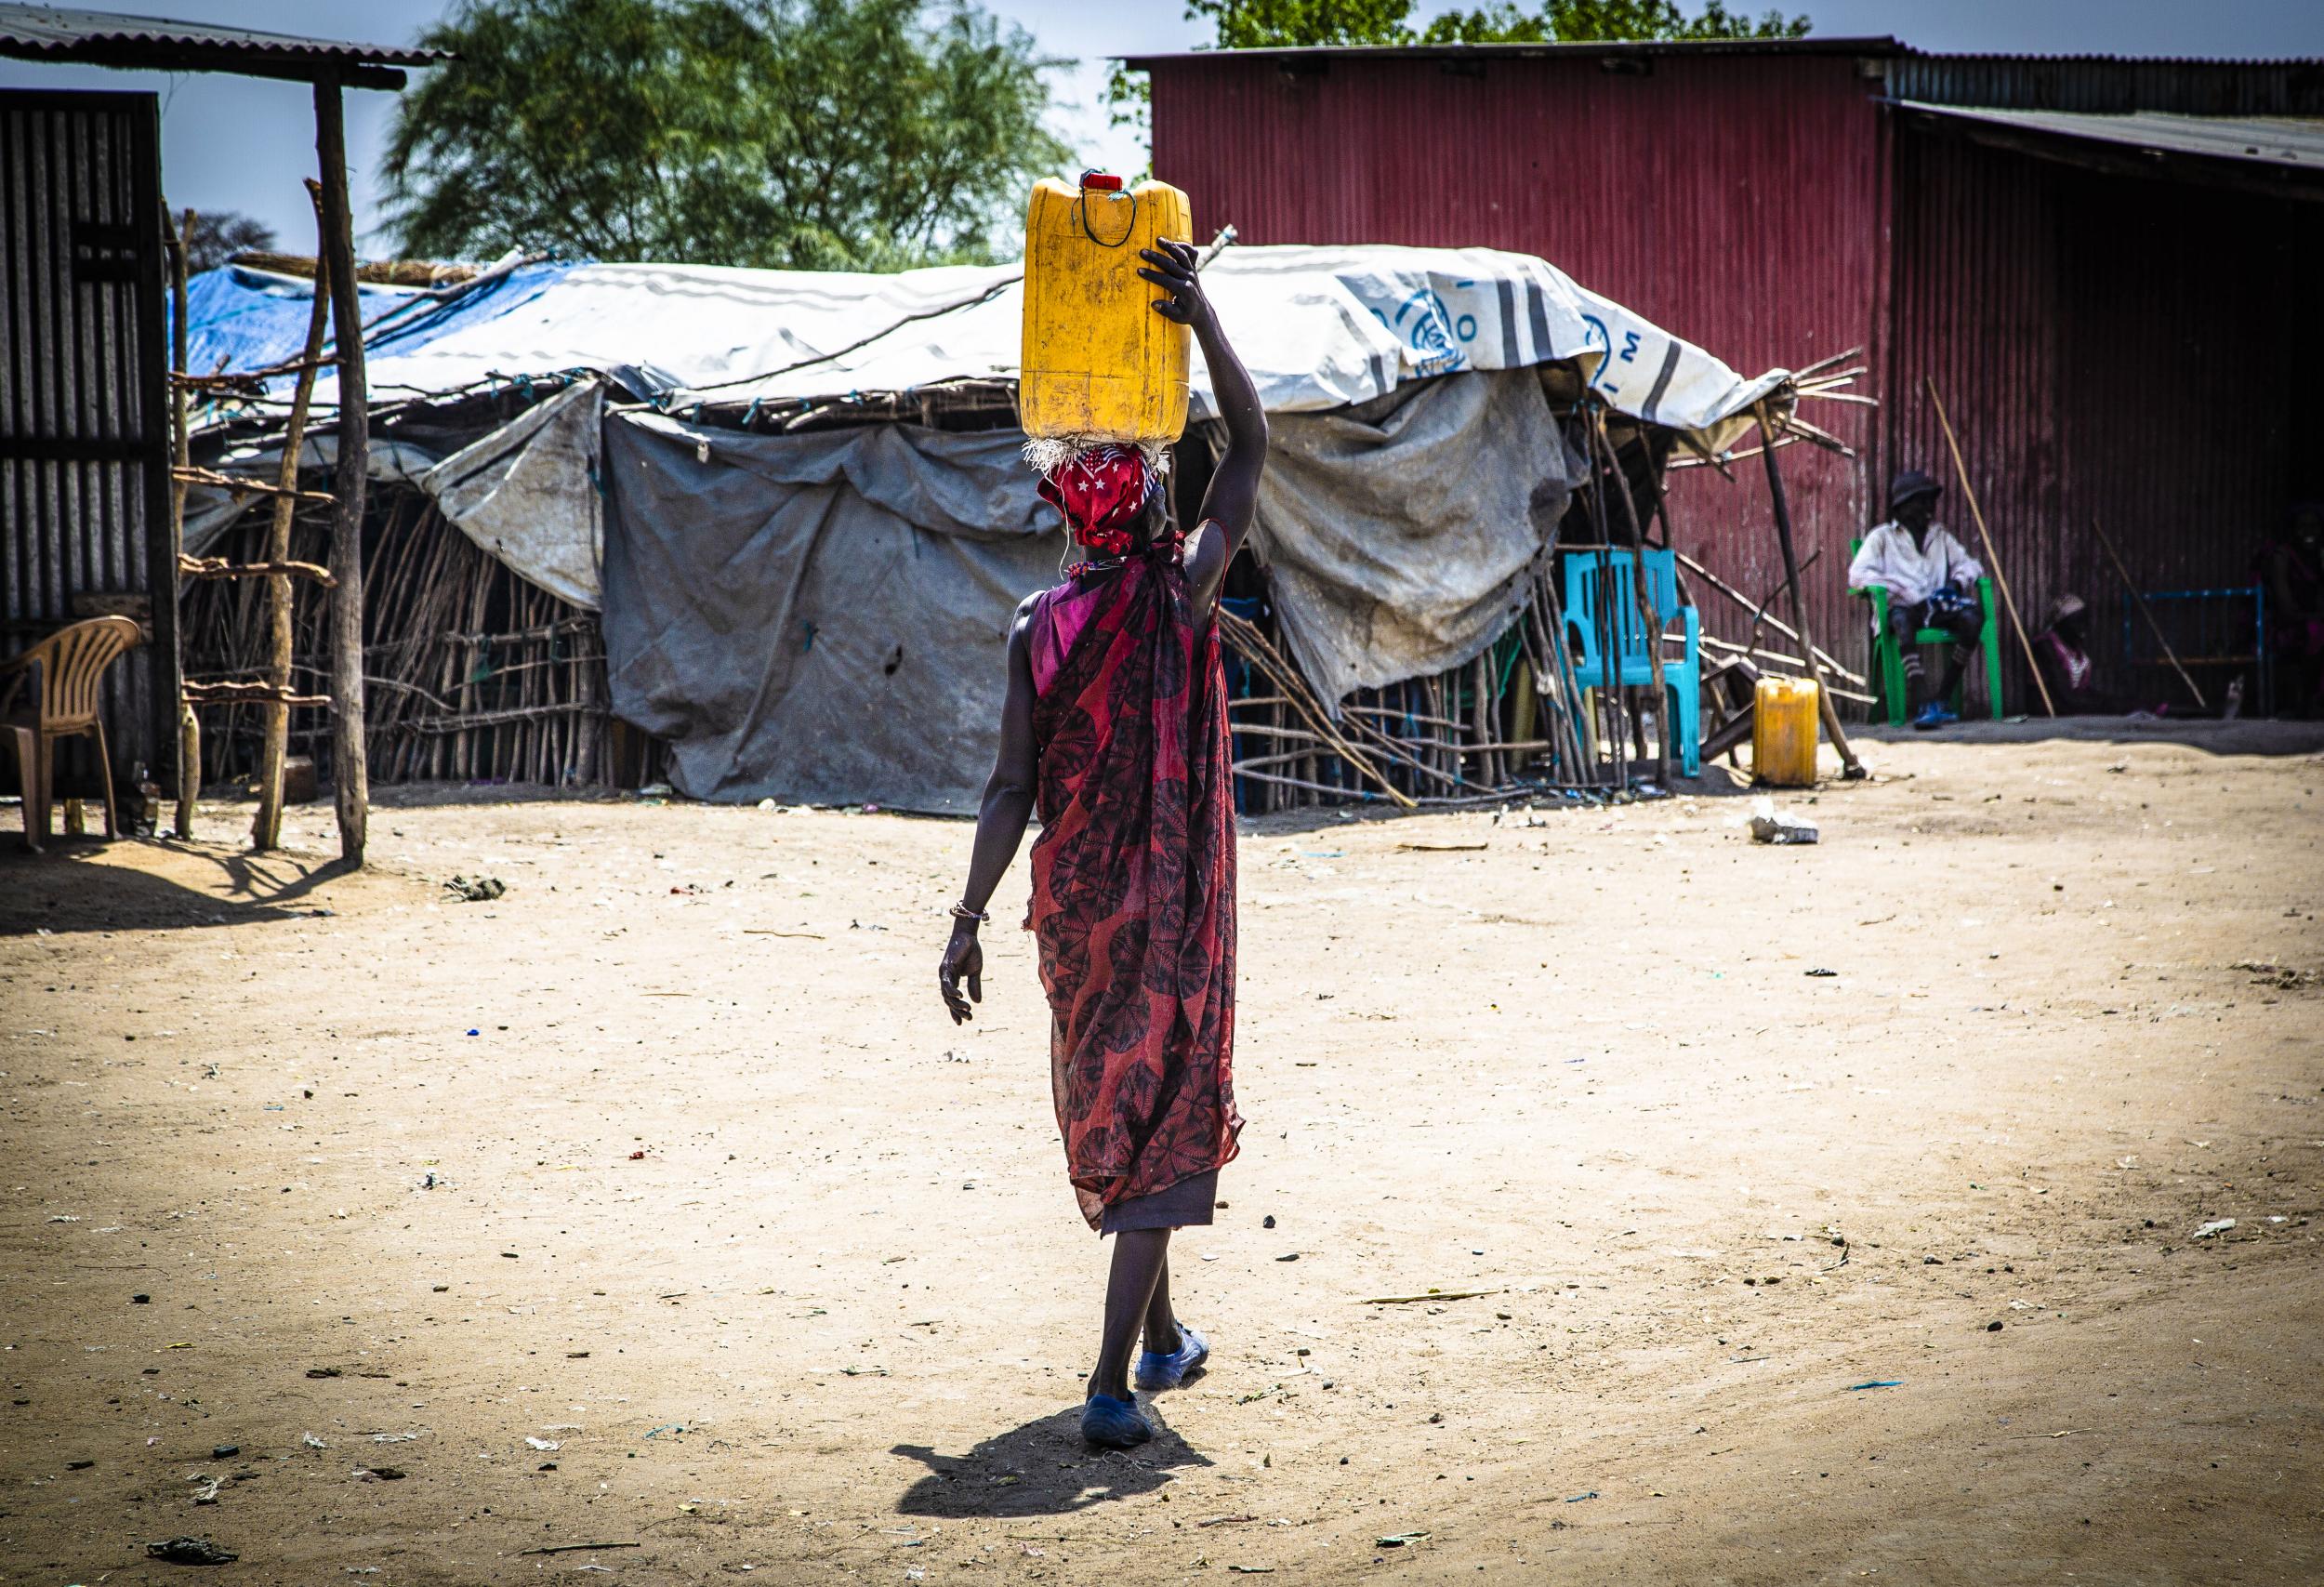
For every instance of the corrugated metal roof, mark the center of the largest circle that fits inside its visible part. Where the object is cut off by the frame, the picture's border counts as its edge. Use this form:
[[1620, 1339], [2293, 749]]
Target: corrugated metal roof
[[2275, 140], [2112, 85], [1593, 49], [59, 33]]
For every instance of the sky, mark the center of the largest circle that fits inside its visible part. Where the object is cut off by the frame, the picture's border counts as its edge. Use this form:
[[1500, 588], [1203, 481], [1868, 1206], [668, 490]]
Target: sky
[[245, 143]]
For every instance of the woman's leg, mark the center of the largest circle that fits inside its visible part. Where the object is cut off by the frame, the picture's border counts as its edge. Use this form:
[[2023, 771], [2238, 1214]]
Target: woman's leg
[[1140, 1256], [1161, 1322]]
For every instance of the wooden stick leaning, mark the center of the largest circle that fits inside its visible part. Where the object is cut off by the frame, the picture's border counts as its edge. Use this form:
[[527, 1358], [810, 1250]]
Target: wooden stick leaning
[[1761, 613], [237, 486], [1619, 484], [1253, 647], [1960, 471], [218, 693], [1826, 363], [2147, 612], [1852, 767], [1611, 700], [1561, 648], [218, 567], [181, 433], [266, 823], [181, 456], [1554, 668]]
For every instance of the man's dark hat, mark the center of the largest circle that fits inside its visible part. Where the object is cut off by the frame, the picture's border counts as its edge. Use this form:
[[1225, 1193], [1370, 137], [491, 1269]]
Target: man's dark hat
[[1910, 484]]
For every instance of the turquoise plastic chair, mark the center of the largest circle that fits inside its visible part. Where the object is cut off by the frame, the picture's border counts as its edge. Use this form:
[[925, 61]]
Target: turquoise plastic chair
[[1637, 653]]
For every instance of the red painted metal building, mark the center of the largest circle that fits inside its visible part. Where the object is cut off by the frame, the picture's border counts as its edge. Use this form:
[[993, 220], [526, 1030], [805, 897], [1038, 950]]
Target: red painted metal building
[[2113, 330]]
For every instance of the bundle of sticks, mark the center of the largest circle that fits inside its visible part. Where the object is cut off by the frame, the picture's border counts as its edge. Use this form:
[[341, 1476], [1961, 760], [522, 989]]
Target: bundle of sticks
[[1823, 380]]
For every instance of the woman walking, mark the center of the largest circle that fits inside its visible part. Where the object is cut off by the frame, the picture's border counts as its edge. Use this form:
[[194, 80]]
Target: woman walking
[[1114, 728]]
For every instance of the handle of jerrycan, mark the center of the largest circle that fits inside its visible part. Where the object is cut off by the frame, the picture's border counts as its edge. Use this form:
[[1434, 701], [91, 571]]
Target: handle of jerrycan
[[1103, 183]]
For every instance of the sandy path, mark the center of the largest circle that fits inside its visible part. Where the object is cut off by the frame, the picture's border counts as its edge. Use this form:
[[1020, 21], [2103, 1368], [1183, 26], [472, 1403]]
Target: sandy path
[[831, 1324]]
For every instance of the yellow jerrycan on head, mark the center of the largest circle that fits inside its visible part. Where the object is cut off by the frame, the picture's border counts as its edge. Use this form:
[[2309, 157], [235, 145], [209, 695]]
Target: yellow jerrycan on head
[[1098, 365]]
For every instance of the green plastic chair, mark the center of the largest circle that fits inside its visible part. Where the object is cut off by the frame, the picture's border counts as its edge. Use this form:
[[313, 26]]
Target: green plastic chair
[[1888, 662]]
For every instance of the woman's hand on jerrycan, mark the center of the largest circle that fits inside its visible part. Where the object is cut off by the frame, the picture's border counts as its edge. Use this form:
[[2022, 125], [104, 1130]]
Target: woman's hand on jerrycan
[[1174, 273]]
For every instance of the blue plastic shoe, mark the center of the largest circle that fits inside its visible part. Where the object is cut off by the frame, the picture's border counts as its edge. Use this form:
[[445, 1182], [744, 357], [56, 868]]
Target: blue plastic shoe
[[1933, 715], [1112, 1424], [1157, 1370]]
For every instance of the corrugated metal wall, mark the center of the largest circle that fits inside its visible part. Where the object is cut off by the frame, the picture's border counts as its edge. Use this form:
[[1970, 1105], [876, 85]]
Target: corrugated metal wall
[[1738, 201], [2105, 345], [84, 428]]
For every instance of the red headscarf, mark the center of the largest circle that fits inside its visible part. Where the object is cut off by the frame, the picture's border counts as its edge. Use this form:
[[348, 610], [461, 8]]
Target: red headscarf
[[1101, 492]]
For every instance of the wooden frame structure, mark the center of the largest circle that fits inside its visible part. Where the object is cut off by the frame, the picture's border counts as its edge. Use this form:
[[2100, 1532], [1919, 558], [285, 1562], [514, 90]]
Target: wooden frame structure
[[35, 32]]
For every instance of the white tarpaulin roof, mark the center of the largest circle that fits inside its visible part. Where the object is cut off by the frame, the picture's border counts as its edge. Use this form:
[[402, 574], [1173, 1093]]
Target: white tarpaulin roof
[[1317, 328]]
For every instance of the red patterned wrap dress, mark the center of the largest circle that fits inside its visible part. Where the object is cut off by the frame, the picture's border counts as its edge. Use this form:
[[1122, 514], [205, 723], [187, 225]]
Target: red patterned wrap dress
[[1133, 890]]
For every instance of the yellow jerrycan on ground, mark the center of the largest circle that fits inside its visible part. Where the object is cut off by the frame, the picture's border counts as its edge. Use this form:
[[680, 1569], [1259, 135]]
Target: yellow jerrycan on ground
[[1783, 732], [1097, 364]]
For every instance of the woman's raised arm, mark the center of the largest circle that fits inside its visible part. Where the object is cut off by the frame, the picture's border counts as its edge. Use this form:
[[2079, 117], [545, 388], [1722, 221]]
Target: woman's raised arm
[[1233, 497]]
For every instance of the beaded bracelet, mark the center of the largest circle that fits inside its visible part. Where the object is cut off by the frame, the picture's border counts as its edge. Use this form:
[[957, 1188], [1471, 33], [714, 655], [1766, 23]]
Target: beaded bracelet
[[962, 912]]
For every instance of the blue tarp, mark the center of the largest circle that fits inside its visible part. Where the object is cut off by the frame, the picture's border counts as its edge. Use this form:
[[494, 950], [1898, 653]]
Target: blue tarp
[[243, 319]]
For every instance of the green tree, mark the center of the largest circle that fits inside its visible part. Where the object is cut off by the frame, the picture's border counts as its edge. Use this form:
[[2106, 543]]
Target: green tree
[[803, 134], [1256, 25], [218, 237], [1575, 21], [1260, 24]]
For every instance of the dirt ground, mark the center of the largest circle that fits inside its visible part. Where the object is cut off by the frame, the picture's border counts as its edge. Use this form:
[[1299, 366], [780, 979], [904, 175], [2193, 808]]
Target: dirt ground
[[1800, 1214]]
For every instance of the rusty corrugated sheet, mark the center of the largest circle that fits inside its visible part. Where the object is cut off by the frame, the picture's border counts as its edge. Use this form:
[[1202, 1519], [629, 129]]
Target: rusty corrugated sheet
[[1737, 200], [84, 429], [2105, 344], [2112, 85], [2106, 347]]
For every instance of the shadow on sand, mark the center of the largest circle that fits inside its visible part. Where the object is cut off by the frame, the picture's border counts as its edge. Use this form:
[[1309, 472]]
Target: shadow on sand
[[91, 885], [1042, 1468]]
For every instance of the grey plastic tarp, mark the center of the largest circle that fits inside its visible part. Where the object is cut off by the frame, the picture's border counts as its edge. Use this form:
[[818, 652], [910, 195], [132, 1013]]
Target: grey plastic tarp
[[818, 618], [527, 492], [1402, 532]]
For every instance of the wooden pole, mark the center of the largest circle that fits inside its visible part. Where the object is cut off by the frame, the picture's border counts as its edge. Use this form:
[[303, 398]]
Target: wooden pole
[[266, 826], [188, 768], [182, 452], [1850, 766], [351, 776], [2148, 612], [1960, 471], [1610, 699], [1558, 658], [181, 456], [1619, 483]]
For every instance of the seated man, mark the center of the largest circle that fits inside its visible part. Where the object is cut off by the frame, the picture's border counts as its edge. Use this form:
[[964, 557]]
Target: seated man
[[1931, 583]]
